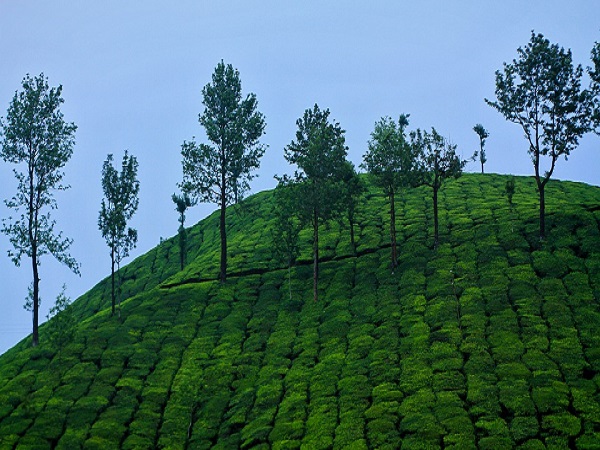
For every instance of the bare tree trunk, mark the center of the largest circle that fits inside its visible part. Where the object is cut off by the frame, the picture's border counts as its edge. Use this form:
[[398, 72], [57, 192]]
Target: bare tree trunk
[[315, 255], [352, 240], [36, 296], [223, 274], [393, 230], [541, 187], [112, 280], [436, 227]]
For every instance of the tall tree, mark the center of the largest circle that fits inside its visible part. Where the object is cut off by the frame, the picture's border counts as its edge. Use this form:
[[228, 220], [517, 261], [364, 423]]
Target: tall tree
[[594, 73], [541, 91], [483, 135], [118, 206], [35, 137], [352, 188], [182, 203], [391, 161], [220, 173], [437, 161], [319, 151]]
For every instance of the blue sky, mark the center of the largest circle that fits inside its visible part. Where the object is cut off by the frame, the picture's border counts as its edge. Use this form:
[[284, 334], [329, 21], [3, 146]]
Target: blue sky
[[132, 74]]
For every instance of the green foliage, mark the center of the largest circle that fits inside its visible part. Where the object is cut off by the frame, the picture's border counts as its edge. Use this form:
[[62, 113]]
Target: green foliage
[[466, 347], [61, 321]]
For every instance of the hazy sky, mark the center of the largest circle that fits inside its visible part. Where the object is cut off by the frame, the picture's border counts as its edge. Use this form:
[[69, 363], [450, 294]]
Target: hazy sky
[[132, 74]]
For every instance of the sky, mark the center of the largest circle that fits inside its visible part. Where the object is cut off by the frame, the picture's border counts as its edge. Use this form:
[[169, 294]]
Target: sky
[[132, 75]]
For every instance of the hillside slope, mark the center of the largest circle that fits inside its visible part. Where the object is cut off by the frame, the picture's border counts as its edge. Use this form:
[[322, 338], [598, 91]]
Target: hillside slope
[[489, 342]]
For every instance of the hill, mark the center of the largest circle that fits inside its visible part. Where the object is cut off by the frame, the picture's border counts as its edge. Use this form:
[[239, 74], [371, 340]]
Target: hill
[[491, 341]]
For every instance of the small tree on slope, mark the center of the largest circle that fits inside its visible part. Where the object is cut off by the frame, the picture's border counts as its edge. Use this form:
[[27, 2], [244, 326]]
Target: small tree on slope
[[182, 203], [483, 135], [119, 204], [34, 135], [391, 160], [319, 151], [541, 91], [352, 188], [437, 161], [287, 227]]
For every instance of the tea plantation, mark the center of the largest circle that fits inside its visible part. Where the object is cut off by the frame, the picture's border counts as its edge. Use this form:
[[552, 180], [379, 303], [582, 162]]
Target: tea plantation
[[492, 341]]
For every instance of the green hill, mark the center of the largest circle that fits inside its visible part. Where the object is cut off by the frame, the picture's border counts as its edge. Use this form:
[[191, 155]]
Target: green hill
[[491, 341]]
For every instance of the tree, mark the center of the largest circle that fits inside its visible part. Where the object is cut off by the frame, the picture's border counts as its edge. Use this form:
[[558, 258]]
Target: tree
[[118, 206], [182, 203], [594, 73], [61, 320], [541, 91], [437, 161], [509, 188], [483, 135], [220, 173], [319, 151], [35, 137], [352, 188], [391, 161], [287, 227]]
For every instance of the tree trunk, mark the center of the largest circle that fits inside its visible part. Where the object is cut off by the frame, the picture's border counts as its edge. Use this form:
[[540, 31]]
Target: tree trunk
[[352, 240], [481, 166], [36, 296], [182, 244], [435, 218], [315, 255], [541, 187], [393, 230], [112, 280], [223, 274]]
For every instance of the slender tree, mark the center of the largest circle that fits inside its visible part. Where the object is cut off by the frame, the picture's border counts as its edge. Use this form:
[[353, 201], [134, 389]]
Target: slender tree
[[483, 135], [182, 203], [319, 151], [287, 227], [391, 161], [35, 137], [541, 91], [220, 173], [437, 161], [352, 189], [118, 206], [594, 73]]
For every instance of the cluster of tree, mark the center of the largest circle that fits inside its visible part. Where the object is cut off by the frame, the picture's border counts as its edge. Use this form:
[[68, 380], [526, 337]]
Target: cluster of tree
[[541, 91]]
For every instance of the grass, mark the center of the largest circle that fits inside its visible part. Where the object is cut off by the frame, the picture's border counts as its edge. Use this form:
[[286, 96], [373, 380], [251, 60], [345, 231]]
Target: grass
[[491, 341]]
